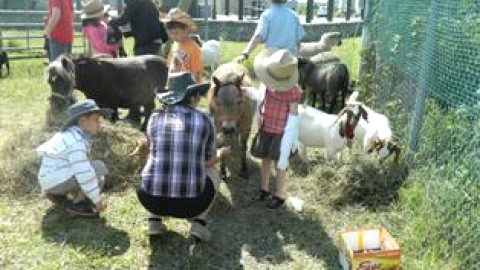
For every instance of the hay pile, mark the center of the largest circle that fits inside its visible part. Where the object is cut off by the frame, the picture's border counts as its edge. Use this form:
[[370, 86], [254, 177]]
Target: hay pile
[[19, 162]]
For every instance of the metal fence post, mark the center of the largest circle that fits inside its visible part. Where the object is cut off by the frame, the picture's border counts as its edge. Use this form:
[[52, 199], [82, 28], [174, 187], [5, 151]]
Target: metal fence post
[[330, 10], [428, 49], [365, 38], [309, 11], [240, 10]]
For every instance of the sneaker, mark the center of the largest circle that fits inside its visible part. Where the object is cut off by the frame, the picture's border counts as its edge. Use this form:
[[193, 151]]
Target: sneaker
[[57, 199], [200, 232], [82, 209], [155, 226]]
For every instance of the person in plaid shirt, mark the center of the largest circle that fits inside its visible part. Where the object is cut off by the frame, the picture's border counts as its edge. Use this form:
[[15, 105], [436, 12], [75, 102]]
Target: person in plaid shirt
[[278, 132], [178, 179]]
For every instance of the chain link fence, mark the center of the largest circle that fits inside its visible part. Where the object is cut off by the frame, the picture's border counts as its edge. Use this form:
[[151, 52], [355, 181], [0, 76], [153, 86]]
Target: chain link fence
[[422, 68]]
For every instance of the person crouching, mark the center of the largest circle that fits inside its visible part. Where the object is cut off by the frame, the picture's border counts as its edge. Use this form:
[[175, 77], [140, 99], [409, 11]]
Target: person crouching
[[67, 175], [178, 179]]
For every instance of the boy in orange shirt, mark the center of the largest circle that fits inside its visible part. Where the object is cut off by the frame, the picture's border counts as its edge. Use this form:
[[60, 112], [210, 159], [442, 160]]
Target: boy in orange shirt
[[185, 54]]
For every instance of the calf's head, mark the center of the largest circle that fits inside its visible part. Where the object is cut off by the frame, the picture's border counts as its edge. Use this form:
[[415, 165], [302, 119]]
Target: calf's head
[[332, 39]]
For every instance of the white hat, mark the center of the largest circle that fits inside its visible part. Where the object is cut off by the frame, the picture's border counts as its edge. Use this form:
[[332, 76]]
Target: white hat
[[94, 9], [277, 69]]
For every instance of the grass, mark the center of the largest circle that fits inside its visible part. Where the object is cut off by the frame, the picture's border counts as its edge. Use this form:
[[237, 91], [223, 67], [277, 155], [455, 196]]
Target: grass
[[246, 235]]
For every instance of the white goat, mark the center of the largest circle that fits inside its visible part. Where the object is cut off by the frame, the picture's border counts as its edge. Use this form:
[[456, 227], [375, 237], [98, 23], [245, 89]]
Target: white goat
[[211, 54], [375, 134], [328, 40], [329, 131]]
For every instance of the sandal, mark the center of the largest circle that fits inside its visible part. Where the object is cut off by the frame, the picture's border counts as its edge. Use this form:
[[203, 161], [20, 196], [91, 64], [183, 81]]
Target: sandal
[[263, 195], [275, 202]]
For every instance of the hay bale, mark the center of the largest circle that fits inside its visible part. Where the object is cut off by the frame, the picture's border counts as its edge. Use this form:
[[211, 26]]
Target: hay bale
[[19, 161]]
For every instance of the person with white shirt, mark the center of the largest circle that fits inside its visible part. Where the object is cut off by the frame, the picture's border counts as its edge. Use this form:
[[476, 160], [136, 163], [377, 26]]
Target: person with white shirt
[[66, 169]]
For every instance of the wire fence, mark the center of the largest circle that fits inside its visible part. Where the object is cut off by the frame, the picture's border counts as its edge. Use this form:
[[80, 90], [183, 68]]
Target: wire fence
[[423, 62]]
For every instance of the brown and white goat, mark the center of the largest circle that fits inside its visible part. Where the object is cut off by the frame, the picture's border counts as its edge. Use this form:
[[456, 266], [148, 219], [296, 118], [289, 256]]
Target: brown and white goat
[[376, 134], [329, 131]]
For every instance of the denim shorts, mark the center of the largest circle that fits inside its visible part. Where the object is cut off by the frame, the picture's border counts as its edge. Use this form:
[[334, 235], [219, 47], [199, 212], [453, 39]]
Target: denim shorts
[[55, 49]]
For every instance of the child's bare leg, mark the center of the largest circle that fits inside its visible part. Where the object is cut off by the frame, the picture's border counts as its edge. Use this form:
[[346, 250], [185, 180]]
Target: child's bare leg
[[265, 174], [279, 181]]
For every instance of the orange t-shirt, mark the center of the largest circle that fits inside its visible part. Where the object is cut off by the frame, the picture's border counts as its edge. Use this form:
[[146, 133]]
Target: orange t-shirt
[[185, 56]]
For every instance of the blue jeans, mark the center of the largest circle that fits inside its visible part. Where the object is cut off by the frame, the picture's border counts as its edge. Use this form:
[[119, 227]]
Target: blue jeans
[[55, 49]]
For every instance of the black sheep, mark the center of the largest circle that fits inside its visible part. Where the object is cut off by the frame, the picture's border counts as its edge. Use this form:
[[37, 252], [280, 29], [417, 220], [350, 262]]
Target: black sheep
[[327, 80]]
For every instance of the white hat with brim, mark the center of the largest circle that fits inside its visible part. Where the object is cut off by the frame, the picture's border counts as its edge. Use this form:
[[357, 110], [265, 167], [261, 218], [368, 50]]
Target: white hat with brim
[[277, 69], [81, 108], [179, 85], [94, 9]]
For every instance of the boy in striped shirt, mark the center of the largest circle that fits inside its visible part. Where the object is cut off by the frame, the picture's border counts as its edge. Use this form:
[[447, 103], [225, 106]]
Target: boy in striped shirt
[[66, 169]]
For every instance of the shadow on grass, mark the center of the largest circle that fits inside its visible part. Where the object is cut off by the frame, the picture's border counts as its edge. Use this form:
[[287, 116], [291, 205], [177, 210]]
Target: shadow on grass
[[247, 235], [371, 184], [84, 235]]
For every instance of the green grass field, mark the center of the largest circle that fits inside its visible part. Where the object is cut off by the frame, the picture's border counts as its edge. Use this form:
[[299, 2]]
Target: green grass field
[[246, 234]]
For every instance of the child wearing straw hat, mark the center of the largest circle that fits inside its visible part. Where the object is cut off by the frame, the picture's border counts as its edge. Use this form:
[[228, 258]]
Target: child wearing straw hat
[[185, 54], [66, 168], [278, 129], [94, 27]]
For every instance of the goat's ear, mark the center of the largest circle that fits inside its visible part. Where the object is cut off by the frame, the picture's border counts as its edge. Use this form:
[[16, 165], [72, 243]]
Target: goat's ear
[[216, 85], [364, 113], [67, 64]]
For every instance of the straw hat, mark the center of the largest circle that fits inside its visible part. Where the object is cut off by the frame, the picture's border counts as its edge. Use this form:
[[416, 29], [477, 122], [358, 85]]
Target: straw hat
[[179, 85], [177, 15], [94, 9], [277, 69]]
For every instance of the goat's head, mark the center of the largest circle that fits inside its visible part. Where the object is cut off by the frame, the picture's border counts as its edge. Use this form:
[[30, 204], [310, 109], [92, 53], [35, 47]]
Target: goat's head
[[349, 118], [385, 149]]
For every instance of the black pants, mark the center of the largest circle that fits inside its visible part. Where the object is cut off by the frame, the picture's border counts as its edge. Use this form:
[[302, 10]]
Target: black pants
[[178, 207]]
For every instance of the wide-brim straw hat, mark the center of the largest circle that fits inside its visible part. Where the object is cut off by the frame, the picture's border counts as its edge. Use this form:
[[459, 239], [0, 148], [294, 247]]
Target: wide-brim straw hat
[[277, 69], [94, 9], [81, 108], [177, 15], [179, 85]]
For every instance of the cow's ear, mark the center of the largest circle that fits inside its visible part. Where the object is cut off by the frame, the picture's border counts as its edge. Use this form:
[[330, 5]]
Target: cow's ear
[[216, 85]]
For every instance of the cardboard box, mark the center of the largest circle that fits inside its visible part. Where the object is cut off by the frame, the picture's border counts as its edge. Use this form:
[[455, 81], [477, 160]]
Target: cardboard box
[[369, 249]]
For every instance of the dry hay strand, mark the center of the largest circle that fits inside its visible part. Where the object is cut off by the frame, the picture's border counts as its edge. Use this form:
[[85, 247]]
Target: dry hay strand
[[370, 184], [19, 161], [366, 183]]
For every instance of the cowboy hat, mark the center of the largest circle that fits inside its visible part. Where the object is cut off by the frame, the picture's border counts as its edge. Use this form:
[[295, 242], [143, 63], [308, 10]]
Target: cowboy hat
[[179, 85], [94, 9], [83, 107], [177, 15], [277, 69]]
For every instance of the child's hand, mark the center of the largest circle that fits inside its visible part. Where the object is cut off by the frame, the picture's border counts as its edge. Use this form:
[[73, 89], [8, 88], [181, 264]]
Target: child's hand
[[101, 206]]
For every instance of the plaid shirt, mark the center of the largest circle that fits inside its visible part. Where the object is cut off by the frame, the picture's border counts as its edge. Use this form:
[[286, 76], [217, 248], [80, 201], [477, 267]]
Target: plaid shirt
[[181, 139], [276, 109]]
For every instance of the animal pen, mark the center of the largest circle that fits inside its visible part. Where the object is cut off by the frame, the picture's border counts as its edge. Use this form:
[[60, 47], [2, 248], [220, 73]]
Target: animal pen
[[422, 68]]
